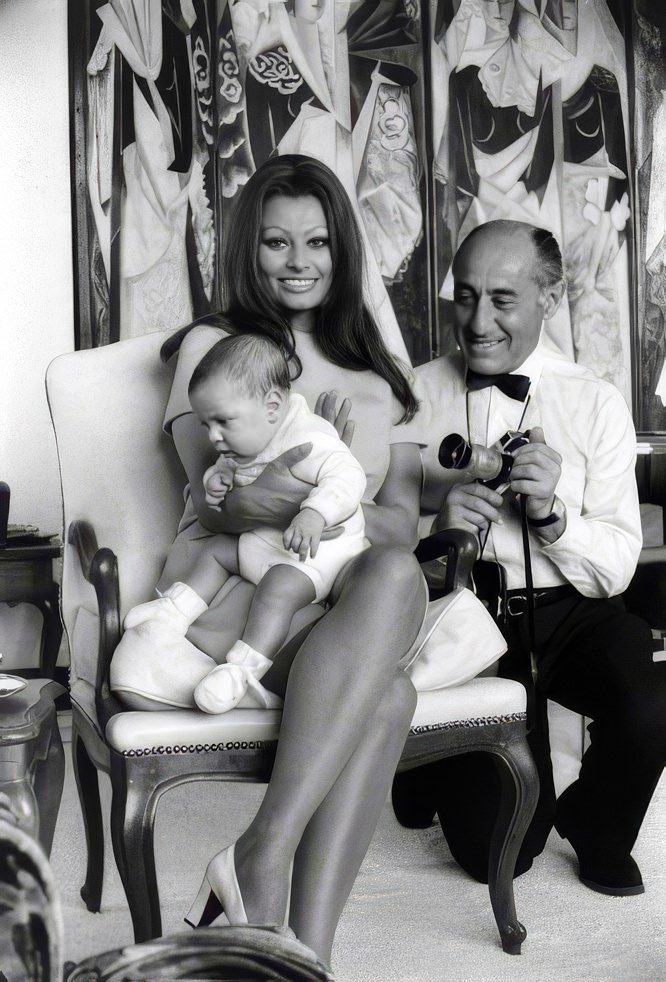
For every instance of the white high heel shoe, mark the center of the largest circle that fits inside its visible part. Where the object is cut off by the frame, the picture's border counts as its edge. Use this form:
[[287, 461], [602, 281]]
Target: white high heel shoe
[[219, 893]]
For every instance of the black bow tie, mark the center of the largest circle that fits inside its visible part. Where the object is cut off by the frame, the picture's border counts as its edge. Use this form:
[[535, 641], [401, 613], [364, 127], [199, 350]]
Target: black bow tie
[[514, 386]]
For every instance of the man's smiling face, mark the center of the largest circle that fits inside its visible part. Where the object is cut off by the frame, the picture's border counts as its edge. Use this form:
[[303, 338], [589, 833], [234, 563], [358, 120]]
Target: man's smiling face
[[499, 307]]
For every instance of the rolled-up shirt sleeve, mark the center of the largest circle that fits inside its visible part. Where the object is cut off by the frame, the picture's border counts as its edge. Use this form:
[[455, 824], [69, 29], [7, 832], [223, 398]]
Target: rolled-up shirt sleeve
[[599, 548]]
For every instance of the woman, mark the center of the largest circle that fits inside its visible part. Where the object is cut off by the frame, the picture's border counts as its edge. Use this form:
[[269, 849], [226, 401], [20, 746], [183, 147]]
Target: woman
[[295, 273]]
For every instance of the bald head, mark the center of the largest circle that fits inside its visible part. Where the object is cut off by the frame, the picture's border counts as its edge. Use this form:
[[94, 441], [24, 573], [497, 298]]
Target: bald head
[[503, 291], [547, 267]]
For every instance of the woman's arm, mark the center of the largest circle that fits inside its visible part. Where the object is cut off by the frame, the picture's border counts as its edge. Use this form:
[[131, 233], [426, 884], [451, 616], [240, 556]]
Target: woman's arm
[[273, 499], [392, 519]]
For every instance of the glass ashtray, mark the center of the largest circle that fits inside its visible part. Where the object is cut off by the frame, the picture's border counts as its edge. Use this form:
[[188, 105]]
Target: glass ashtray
[[10, 684]]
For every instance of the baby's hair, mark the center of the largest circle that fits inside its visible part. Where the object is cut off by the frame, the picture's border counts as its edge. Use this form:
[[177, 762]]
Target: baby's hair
[[250, 361]]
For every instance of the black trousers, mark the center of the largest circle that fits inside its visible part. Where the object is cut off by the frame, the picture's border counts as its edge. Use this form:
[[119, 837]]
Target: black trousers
[[596, 659]]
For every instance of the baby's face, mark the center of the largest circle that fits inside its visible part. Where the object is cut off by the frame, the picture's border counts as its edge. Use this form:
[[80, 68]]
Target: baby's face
[[238, 424]]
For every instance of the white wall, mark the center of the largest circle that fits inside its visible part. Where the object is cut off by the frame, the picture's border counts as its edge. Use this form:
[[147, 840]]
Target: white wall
[[36, 292]]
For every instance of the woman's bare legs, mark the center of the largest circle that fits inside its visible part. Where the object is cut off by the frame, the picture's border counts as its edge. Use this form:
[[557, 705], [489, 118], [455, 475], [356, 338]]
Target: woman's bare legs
[[342, 674], [337, 838]]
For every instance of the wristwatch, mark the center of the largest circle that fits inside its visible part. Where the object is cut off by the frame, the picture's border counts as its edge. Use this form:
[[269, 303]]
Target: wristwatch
[[558, 512]]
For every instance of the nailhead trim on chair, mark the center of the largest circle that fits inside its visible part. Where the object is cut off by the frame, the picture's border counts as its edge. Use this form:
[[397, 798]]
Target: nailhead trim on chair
[[467, 723], [258, 745], [199, 748]]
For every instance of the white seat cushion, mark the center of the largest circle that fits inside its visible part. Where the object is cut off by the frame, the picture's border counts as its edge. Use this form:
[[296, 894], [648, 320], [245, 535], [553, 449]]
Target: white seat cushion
[[189, 729], [479, 700]]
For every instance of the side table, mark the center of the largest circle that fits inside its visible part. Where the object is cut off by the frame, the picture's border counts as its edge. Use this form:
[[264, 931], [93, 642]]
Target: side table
[[26, 576], [32, 759]]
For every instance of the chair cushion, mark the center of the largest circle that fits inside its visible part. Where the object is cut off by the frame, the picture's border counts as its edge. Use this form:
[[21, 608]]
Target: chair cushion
[[188, 729], [478, 701]]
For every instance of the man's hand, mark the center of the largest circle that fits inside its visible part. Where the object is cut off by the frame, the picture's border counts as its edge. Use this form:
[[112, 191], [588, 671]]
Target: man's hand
[[535, 473], [304, 533], [219, 480], [471, 507]]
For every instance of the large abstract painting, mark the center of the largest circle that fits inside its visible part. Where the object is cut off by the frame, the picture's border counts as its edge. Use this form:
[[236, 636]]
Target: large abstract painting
[[536, 129], [177, 102], [436, 114], [649, 50]]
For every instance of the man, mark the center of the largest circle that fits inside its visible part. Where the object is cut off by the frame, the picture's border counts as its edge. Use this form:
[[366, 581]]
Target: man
[[573, 485]]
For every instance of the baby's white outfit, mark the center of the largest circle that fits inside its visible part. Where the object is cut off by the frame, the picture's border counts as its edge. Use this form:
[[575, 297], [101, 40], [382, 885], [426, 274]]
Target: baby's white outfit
[[338, 484]]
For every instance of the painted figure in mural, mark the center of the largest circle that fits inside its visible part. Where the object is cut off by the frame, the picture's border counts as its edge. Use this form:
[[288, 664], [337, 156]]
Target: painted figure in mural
[[240, 391], [165, 226], [649, 144], [573, 488], [536, 131], [348, 704]]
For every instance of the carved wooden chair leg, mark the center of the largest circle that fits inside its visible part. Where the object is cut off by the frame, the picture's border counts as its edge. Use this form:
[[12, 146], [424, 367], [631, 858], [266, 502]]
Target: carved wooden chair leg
[[87, 784], [132, 824], [519, 795]]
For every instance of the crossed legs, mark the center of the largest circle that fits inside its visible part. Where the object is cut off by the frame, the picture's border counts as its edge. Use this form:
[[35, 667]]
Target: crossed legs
[[347, 713], [348, 707]]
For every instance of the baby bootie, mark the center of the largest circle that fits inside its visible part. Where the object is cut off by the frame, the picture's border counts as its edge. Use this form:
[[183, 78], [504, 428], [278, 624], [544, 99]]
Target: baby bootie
[[176, 609], [154, 657], [237, 679]]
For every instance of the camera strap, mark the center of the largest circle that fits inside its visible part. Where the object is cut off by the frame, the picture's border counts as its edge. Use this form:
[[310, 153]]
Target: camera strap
[[532, 714]]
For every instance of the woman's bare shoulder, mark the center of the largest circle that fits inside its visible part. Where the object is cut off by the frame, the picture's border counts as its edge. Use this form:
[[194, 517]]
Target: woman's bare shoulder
[[192, 336]]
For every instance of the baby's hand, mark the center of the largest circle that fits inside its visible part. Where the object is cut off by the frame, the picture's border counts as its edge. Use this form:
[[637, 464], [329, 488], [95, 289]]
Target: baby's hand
[[218, 481], [304, 533]]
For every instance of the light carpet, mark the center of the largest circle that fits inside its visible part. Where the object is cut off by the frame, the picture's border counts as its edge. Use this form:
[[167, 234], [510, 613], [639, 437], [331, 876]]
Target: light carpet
[[413, 915]]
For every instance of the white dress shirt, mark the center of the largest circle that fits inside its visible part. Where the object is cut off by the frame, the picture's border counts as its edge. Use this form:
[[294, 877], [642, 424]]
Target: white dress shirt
[[587, 421]]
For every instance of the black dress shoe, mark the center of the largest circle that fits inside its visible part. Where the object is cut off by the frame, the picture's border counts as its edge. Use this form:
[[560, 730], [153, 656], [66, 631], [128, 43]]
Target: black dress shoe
[[620, 878], [600, 870]]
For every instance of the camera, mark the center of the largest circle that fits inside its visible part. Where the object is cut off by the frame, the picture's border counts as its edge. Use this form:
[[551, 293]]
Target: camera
[[490, 465]]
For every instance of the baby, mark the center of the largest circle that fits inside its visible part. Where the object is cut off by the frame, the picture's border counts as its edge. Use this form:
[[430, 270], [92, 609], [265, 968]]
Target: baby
[[241, 392]]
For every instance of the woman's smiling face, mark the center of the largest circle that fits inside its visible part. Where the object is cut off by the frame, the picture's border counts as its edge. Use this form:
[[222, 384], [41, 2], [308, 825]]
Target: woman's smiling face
[[295, 256]]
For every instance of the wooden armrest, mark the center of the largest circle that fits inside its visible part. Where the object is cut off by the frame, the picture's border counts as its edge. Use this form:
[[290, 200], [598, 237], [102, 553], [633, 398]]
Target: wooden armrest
[[460, 550], [100, 569]]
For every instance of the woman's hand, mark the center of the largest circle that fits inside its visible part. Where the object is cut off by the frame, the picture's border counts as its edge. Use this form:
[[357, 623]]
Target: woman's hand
[[219, 480], [273, 499], [327, 407]]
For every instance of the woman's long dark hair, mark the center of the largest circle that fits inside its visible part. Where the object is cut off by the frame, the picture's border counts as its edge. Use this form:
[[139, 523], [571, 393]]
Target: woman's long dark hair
[[345, 330]]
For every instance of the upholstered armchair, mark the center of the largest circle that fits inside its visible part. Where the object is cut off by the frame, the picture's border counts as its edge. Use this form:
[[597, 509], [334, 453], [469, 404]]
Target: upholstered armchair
[[122, 487]]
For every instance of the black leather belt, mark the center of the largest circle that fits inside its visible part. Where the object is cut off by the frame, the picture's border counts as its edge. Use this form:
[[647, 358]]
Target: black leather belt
[[515, 604]]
